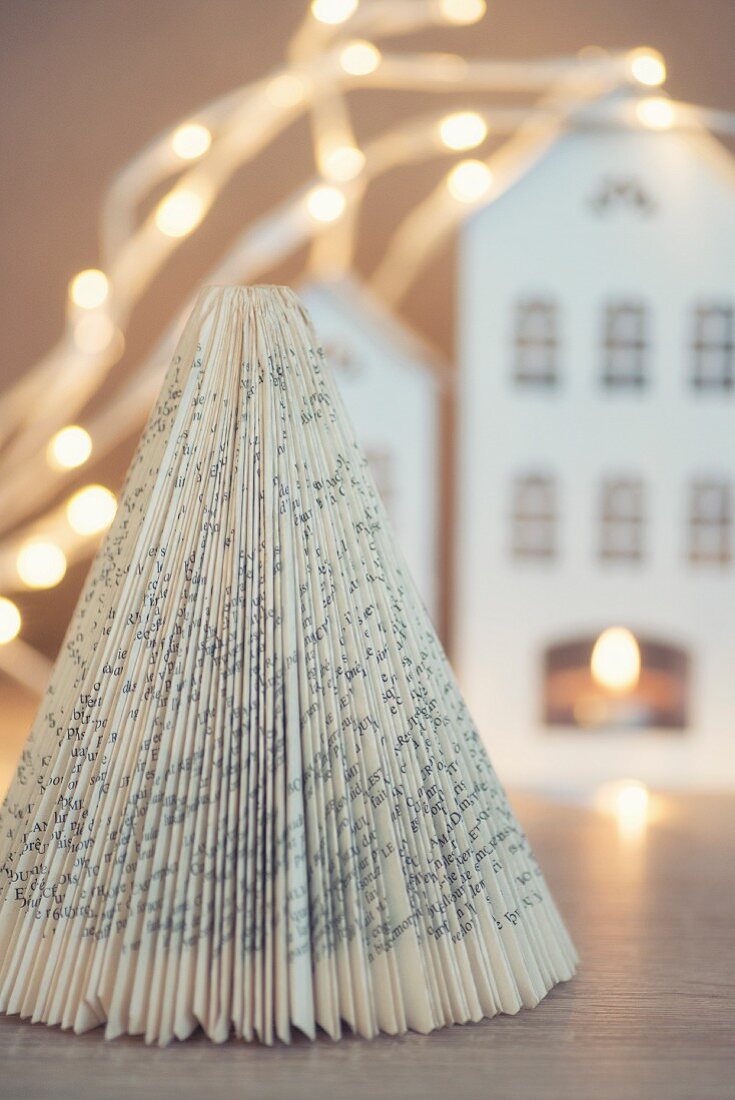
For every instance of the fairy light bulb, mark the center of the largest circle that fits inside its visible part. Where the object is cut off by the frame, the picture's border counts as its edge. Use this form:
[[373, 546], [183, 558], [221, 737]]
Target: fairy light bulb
[[343, 163], [179, 212], [10, 621], [359, 58], [286, 90], [191, 140], [655, 113], [69, 448], [333, 12], [462, 12], [615, 663], [463, 130], [469, 181], [89, 289], [91, 510], [95, 333], [40, 563], [647, 67], [325, 203]]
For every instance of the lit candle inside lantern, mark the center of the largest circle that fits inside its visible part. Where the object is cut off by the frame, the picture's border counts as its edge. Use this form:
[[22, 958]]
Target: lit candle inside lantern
[[615, 663]]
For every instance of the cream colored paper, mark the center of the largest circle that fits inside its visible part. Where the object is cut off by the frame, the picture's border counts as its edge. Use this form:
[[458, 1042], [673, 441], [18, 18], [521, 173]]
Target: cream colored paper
[[253, 798]]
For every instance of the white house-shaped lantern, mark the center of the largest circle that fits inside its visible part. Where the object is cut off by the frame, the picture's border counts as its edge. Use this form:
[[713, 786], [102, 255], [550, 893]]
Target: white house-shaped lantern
[[597, 460], [391, 385]]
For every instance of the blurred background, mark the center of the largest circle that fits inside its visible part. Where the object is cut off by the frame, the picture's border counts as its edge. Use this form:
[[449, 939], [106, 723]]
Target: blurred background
[[515, 230]]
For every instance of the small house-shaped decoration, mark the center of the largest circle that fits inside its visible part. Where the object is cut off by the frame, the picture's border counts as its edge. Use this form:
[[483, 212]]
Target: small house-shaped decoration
[[596, 544], [391, 384]]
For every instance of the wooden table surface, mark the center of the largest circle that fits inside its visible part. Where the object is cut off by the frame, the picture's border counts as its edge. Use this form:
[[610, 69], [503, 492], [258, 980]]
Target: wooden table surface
[[651, 1014]]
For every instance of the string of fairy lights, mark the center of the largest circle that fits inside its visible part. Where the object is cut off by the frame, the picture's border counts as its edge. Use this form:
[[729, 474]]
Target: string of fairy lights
[[45, 437]]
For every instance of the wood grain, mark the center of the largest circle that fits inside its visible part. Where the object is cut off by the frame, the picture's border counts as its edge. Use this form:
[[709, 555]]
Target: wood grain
[[649, 1016]]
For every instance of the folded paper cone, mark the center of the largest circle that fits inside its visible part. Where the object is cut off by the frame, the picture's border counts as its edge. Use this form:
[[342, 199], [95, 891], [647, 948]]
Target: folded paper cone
[[253, 799]]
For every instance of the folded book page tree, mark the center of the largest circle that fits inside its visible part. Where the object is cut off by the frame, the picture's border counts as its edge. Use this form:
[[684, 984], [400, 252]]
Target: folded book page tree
[[253, 798]]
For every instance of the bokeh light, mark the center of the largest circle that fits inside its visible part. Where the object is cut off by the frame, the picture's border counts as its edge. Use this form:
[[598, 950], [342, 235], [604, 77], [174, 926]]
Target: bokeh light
[[40, 563], [463, 130], [469, 180], [325, 203], [89, 289], [333, 11], [69, 448], [343, 163], [656, 113], [179, 213], [91, 509], [359, 58], [191, 140], [10, 621], [648, 67], [462, 12]]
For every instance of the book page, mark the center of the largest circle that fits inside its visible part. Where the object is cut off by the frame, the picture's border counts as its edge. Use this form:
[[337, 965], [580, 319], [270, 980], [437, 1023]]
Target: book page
[[253, 799]]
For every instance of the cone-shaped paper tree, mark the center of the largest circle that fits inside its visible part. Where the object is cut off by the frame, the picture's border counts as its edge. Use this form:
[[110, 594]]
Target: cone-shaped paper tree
[[253, 798]]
